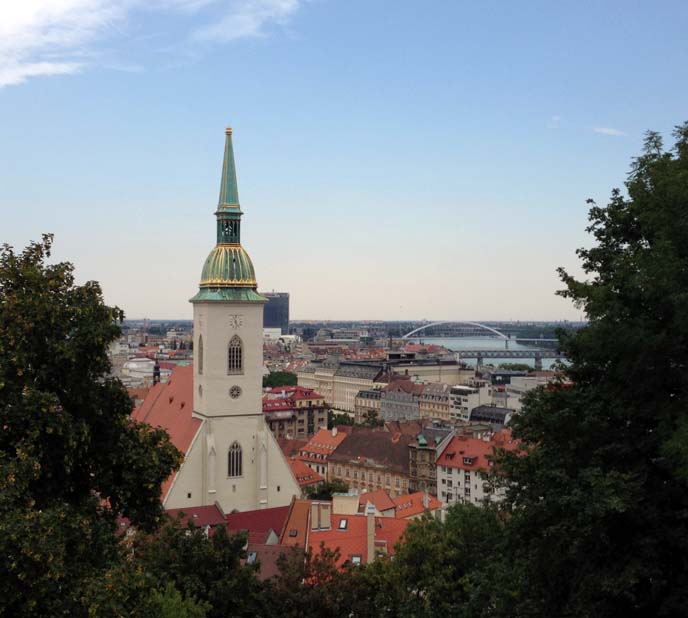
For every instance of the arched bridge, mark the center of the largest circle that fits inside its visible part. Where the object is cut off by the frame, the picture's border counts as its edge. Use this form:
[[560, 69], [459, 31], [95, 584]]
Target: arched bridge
[[489, 329]]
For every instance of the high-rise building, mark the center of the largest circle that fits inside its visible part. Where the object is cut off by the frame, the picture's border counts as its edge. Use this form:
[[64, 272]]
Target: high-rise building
[[276, 313]]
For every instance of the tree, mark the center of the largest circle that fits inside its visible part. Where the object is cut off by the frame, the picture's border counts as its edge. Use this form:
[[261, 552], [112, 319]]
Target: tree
[[599, 496], [371, 419], [279, 378], [203, 566], [516, 366], [70, 458], [325, 490], [335, 419]]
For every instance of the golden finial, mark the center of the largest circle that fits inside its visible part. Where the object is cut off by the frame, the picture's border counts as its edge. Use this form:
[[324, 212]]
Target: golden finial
[[228, 131]]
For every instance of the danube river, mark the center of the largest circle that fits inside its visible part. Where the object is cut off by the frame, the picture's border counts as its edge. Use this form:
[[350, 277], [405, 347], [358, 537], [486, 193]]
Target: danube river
[[457, 344]]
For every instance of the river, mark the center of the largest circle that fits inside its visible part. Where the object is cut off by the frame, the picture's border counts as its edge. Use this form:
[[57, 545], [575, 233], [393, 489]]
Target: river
[[456, 344]]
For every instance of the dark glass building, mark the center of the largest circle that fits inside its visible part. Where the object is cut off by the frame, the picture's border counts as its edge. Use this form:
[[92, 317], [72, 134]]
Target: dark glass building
[[276, 313]]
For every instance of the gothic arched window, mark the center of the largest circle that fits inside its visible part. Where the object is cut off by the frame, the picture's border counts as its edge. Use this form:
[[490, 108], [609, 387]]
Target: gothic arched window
[[234, 460], [200, 354], [235, 356]]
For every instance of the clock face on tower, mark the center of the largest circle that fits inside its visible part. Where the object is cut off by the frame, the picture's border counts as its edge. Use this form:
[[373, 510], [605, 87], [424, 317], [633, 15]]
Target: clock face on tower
[[235, 321]]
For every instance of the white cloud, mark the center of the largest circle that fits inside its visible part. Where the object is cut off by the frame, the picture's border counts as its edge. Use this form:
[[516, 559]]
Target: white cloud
[[554, 122], [248, 18], [56, 37], [608, 131], [45, 37]]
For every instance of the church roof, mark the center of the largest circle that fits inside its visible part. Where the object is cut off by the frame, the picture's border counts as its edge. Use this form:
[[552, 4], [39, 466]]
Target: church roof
[[228, 273], [170, 406], [229, 191], [228, 266]]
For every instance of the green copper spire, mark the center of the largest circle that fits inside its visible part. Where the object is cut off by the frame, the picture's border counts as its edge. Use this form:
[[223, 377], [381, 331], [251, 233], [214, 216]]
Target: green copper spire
[[228, 272], [229, 193]]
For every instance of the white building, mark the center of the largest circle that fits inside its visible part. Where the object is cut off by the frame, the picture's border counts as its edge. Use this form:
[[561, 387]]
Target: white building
[[216, 419], [462, 400], [463, 465]]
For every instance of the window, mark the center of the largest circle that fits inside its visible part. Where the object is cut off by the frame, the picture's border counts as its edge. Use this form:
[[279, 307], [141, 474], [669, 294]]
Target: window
[[251, 559], [235, 356], [234, 460], [343, 523], [200, 354], [356, 559], [339, 470], [396, 482]]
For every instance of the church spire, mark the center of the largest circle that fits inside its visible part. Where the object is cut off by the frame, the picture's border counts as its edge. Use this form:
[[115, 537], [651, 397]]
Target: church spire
[[228, 272], [229, 193], [228, 212]]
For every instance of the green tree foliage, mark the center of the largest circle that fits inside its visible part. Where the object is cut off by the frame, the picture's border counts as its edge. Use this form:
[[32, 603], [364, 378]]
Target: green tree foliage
[[202, 566], [516, 366], [335, 419], [326, 489], [279, 378], [70, 459], [169, 603], [372, 419], [598, 504]]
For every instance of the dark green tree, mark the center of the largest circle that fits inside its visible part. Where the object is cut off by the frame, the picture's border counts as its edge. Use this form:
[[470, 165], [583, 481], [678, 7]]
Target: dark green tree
[[372, 419], [598, 501], [204, 566], [338, 418], [325, 490], [70, 458], [279, 378]]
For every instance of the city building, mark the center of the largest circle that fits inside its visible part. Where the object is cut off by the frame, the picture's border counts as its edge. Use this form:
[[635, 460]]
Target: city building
[[213, 411], [372, 459], [367, 404], [423, 451], [463, 398], [400, 401], [276, 313], [294, 412], [340, 381], [463, 465], [434, 402], [319, 449], [496, 416], [359, 537]]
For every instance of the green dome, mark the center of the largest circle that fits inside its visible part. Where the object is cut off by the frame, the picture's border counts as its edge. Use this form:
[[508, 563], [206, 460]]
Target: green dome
[[228, 266]]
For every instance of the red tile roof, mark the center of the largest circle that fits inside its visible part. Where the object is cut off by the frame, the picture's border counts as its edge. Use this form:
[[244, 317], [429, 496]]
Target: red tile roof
[[258, 523], [411, 505], [379, 498], [304, 475], [469, 453], [295, 530], [170, 406], [199, 515], [353, 541], [291, 447], [322, 443]]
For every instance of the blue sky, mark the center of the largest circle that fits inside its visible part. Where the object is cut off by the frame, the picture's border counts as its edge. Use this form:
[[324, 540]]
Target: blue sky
[[395, 159]]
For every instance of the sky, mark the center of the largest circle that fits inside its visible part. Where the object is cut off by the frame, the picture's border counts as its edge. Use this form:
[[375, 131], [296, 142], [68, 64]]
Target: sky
[[396, 160]]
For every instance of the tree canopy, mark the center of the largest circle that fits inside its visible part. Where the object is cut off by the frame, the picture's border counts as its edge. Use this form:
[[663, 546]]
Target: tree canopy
[[598, 502], [70, 458]]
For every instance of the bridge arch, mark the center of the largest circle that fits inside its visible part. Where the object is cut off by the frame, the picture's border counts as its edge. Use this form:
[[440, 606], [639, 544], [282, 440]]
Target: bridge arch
[[494, 331]]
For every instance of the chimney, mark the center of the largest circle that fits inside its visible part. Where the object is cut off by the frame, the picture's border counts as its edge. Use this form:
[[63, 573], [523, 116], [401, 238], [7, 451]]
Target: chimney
[[334, 432], [426, 499], [370, 537]]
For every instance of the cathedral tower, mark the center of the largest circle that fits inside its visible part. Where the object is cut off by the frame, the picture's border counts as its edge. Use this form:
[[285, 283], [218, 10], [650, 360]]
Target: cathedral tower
[[235, 459]]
